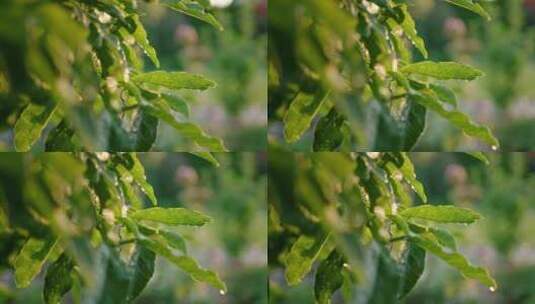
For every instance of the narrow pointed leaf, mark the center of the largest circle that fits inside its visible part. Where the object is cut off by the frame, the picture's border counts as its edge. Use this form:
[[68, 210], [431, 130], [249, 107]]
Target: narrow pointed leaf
[[479, 155], [407, 170], [140, 35], [189, 130], [442, 214], [186, 264], [442, 70], [457, 118], [138, 174], [171, 216], [455, 260], [207, 156], [173, 80], [471, 6], [409, 28], [193, 9]]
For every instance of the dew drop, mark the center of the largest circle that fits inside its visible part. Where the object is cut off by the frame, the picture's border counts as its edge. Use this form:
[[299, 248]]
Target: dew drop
[[222, 292], [492, 289]]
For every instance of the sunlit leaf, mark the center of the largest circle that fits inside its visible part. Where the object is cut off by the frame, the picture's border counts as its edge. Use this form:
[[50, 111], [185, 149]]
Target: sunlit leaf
[[455, 260], [442, 70], [173, 80], [457, 118], [442, 214], [472, 6], [171, 216], [193, 9]]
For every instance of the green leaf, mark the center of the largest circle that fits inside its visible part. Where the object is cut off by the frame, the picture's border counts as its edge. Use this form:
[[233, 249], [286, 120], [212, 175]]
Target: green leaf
[[328, 277], [138, 174], [30, 125], [444, 238], [455, 260], [140, 35], [407, 170], [328, 135], [479, 155], [193, 9], [186, 264], [207, 156], [442, 70], [409, 28], [147, 131], [177, 104], [302, 110], [143, 272], [171, 216], [441, 214], [58, 280], [302, 255], [457, 118], [173, 80], [31, 258], [470, 5], [413, 267], [414, 126], [189, 130], [444, 94]]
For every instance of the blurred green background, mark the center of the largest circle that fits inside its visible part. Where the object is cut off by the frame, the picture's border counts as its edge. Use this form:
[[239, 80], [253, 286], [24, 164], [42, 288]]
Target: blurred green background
[[234, 244], [503, 48]]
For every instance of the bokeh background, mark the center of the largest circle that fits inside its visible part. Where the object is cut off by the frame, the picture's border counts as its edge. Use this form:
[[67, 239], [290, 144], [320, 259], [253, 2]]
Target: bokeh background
[[503, 48]]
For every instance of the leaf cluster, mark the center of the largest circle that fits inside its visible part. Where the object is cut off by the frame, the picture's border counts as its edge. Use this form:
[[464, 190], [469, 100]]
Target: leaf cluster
[[345, 70], [364, 220], [76, 67], [93, 221]]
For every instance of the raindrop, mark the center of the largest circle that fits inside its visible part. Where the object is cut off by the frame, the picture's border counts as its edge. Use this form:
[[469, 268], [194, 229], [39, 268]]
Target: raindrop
[[222, 292]]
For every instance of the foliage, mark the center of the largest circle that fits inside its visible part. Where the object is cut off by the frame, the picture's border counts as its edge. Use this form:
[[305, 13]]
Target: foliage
[[355, 216], [348, 65], [75, 67], [85, 216]]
